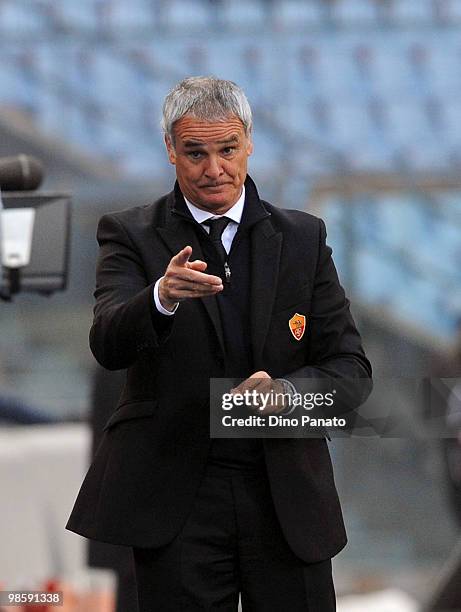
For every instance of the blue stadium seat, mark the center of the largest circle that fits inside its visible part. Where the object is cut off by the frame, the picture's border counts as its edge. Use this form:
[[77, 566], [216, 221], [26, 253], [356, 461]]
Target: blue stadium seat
[[119, 84], [409, 128], [369, 156], [20, 17], [134, 14], [260, 162], [77, 129], [301, 119], [362, 54], [84, 14], [417, 301], [413, 12], [431, 156], [451, 11], [10, 86], [352, 132], [108, 77], [301, 74], [51, 14], [167, 59], [146, 160], [450, 203], [452, 122], [186, 15], [295, 14], [402, 217], [350, 123], [415, 121], [417, 54], [22, 89], [336, 70], [444, 64], [50, 58], [244, 14], [446, 234], [393, 74], [355, 12], [376, 278], [56, 118]]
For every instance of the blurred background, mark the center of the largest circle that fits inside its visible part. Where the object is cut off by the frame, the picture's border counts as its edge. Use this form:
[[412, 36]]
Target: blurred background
[[357, 119]]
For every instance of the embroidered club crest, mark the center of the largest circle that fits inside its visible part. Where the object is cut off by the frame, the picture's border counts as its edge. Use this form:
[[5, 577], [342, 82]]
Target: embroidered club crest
[[297, 325]]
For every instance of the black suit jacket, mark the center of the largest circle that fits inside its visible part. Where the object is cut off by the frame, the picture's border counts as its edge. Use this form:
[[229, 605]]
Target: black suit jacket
[[141, 484]]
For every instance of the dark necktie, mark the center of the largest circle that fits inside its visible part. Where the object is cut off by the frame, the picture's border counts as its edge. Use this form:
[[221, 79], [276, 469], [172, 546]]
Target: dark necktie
[[217, 226]]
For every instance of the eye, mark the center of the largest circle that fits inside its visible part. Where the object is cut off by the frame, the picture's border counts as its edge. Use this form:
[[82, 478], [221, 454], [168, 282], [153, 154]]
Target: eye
[[228, 150], [195, 154]]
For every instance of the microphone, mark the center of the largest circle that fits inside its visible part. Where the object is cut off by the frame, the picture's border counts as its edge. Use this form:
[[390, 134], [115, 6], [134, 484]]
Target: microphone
[[20, 173]]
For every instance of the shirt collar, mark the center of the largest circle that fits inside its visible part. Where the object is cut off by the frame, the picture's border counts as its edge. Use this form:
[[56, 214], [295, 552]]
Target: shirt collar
[[234, 213]]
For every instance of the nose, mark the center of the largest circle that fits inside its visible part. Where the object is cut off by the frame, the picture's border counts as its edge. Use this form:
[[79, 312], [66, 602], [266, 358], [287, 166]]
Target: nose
[[213, 169]]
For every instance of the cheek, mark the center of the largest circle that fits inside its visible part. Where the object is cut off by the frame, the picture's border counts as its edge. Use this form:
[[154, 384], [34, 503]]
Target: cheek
[[235, 169], [188, 173]]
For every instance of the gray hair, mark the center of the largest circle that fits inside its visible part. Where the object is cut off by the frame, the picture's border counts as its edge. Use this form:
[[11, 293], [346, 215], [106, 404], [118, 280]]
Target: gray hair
[[207, 98]]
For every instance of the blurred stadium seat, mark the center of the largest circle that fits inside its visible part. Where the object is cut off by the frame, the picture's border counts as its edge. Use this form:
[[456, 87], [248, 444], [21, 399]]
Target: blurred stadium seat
[[185, 15], [83, 15], [411, 12], [451, 10], [244, 14], [18, 18], [452, 123], [352, 85], [123, 15], [356, 12], [384, 73], [289, 14]]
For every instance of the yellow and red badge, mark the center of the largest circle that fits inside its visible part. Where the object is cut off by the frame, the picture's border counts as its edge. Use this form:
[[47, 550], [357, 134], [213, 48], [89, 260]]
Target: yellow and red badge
[[297, 325]]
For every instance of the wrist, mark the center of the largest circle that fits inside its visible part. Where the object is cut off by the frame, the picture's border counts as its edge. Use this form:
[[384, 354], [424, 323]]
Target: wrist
[[165, 302], [170, 306]]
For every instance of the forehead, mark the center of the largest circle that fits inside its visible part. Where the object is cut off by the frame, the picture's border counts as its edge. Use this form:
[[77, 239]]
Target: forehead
[[189, 130]]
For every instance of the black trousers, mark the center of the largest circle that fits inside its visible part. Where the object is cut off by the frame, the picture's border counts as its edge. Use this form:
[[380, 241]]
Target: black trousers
[[231, 545]]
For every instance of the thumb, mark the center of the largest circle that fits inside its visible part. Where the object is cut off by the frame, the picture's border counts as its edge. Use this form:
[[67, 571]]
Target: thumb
[[198, 265]]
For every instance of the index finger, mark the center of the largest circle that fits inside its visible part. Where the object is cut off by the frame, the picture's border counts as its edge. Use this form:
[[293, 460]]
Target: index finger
[[181, 258]]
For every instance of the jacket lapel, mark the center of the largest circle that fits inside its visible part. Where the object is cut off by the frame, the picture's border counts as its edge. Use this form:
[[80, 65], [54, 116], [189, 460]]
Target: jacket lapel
[[179, 232], [266, 246]]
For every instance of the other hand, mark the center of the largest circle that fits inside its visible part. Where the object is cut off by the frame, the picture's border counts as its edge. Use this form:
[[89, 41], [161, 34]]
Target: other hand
[[267, 395]]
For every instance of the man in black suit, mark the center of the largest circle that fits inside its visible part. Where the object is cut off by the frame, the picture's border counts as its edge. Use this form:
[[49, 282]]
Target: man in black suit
[[212, 282]]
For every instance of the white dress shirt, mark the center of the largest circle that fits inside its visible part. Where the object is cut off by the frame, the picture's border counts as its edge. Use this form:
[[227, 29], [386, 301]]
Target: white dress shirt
[[235, 216]]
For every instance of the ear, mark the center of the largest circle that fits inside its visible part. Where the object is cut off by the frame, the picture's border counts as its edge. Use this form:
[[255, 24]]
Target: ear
[[249, 147], [170, 150]]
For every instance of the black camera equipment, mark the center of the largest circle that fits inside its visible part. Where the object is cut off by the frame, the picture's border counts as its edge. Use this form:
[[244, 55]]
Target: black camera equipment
[[34, 230]]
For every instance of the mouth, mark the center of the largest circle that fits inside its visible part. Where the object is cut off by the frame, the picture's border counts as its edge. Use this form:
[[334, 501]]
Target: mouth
[[213, 186]]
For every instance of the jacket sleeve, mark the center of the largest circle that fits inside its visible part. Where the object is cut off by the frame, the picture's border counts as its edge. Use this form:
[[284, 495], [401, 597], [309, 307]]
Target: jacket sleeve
[[335, 354], [126, 322]]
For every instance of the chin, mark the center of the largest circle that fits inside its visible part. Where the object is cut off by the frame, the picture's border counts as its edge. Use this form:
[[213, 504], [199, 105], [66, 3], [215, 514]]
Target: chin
[[215, 200], [222, 195], [215, 204]]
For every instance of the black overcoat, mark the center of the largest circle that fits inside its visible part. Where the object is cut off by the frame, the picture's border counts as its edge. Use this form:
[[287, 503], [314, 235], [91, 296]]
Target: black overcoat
[[143, 479]]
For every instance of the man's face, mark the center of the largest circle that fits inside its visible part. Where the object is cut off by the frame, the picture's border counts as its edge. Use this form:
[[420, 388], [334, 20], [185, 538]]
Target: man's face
[[211, 161]]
